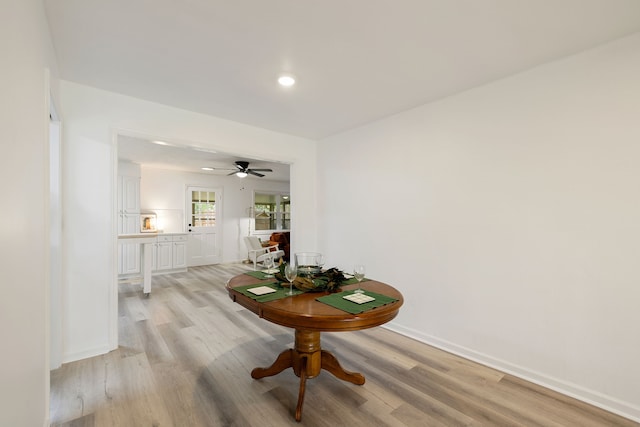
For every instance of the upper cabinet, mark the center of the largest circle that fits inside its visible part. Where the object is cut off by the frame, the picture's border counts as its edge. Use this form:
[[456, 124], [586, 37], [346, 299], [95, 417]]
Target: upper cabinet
[[128, 188], [129, 194]]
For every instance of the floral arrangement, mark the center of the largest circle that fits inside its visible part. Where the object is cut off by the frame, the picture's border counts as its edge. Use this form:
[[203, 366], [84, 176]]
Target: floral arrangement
[[327, 280]]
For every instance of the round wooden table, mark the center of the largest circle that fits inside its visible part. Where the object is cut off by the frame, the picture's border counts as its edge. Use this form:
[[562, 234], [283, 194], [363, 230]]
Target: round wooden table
[[309, 318]]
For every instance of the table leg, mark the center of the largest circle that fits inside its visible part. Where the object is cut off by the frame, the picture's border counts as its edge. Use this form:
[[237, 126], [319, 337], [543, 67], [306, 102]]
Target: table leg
[[146, 268], [303, 383], [307, 359], [331, 364], [284, 361]]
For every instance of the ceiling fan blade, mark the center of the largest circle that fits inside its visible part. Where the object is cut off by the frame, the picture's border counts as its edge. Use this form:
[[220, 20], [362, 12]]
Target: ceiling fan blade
[[253, 172], [233, 173], [261, 170], [242, 165]]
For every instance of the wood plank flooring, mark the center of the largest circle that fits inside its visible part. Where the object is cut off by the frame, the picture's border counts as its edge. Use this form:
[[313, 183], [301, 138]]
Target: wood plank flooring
[[186, 352]]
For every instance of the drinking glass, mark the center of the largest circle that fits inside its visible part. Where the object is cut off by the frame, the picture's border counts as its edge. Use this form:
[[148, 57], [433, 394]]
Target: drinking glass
[[358, 273], [290, 273], [269, 264], [320, 261]]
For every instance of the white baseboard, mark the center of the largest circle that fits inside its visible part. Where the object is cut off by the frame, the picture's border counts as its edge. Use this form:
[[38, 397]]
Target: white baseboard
[[600, 400], [84, 354]]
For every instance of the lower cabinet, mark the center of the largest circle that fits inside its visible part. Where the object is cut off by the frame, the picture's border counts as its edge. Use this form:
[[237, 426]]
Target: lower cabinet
[[169, 256], [128, 255], [180, 252], [171, 253], [165, 255], [129, 259]]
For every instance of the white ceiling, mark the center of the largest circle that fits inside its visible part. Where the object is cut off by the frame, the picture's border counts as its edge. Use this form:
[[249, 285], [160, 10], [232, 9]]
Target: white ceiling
[[356, 61]]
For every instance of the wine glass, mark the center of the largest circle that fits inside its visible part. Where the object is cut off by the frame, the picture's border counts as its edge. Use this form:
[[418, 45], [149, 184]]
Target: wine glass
[[320, 261], [269, 264], [358, 273], [291, 272]]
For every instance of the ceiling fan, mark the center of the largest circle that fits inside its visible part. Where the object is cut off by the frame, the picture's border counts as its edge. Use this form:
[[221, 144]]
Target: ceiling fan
[[242, 170]]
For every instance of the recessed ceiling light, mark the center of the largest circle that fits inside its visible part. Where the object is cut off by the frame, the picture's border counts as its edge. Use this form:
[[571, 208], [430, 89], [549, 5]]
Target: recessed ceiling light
[[204, 150], [286, 80], [206, 168]]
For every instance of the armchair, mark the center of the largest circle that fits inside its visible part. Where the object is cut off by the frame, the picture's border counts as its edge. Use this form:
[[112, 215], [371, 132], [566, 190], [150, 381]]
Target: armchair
[[282, 240], [258, 253]]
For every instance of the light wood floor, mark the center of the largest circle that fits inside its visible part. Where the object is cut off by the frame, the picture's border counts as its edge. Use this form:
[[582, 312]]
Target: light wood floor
[[186, 352]]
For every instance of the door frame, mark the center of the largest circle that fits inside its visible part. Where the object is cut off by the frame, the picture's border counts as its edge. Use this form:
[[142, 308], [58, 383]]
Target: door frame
[[56, 343], [114, 133]]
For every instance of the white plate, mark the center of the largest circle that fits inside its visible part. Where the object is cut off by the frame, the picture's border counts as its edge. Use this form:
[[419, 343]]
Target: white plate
[[272, 271], [261, 290]]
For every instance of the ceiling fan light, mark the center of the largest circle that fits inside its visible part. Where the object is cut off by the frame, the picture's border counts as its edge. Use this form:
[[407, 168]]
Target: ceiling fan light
[[241, 174]]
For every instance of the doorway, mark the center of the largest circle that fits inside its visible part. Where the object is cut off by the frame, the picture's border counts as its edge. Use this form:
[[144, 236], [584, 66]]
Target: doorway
[[174, 201]]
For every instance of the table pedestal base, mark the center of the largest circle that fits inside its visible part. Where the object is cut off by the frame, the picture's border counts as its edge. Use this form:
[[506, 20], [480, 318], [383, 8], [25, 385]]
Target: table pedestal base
[[307, 359]]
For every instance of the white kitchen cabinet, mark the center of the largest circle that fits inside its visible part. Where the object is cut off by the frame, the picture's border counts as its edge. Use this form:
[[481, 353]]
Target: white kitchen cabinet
[[128, 223], [180, 251], [130, 194], [165, 253], [130, 259], [171, 250]]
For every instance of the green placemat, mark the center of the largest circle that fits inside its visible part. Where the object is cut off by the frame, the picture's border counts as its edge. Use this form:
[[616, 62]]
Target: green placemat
[[336, 300], [259, 275], [281, 291]]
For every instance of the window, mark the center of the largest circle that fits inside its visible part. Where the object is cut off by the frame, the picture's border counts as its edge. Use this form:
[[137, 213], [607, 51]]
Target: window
[[285, 209], [203, 208], [272, 211]]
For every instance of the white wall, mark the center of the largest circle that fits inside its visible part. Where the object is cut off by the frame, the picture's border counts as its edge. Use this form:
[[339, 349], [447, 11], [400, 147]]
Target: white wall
[[24, 187], [163, 192], [509, 217], [92, 121]]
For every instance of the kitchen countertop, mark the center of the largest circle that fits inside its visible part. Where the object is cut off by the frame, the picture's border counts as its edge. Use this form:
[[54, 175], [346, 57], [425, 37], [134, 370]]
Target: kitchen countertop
[[147, 235]]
